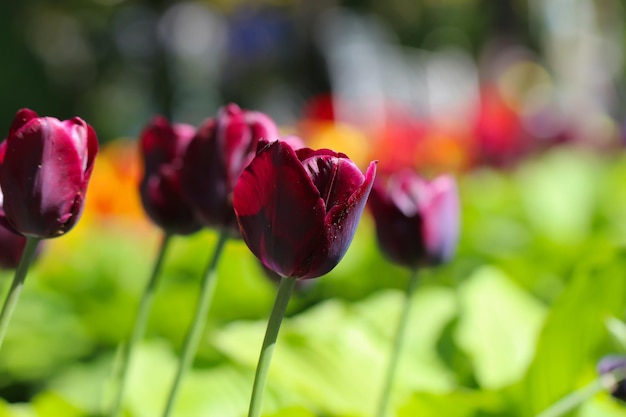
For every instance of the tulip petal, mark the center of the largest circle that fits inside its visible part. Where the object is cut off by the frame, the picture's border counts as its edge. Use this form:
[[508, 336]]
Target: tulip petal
[[335, 177], [162, 142], [417, 221], [234, 139], [280, 212], [399, 235], [162, 147], [22, 117], [340, 225], [239, 132], [202, 176], [3, 150], [441, 214], [11, 247]]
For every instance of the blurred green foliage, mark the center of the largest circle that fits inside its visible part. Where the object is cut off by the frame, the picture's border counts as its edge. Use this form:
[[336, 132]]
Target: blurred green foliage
[[533, 299]]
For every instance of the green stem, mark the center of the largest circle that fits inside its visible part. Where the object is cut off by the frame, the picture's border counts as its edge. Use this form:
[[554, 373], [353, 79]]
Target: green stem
[[267, 349], [606, 382], [397, 346], [141, 322], [17, 284], [572, 400], [192, 339]]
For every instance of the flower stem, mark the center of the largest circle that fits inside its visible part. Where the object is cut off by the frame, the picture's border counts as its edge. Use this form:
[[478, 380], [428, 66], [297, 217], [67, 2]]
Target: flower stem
[[17, 284], [192, 339], [397, 346], [572, 400], [141, 322], [267, 349], [605, 382]]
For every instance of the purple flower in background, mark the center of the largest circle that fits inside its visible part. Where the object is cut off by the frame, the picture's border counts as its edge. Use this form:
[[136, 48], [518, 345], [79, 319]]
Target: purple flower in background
[[611, 364], [298, 210], [218, 153], [44, 172], [162, 147], [417, 221]]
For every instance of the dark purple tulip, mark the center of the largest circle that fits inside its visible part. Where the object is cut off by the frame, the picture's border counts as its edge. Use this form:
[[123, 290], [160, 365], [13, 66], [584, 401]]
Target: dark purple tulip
[[218, 153], [44, 173], [162, 148], [611, 364], [417, 221], [298, 210]]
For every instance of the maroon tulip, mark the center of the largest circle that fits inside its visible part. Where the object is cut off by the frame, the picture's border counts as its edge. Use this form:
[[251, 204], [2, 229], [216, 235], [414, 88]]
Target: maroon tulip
[[298, 210], [44, 173], [221, 149], [162, 147], [417, 222]]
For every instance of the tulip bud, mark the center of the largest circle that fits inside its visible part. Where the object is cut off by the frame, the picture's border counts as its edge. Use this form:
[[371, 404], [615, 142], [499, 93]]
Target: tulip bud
[[417, 222], [162, 148], [609, 365], [298, 210], [44, 171], [218, 153]]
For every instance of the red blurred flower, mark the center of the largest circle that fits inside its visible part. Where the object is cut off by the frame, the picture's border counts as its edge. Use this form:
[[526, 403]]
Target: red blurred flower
[[218, 153], [162, 147], [298, 210], [417, 222], [44, 172], [500, 138]]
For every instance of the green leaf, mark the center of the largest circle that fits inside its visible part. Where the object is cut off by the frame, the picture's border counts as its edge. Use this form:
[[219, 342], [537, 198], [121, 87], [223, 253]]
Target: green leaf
[[49, 404], [498, 327], [603, 405], [292, 412], [460, 403], [574, 330], [552, 186], [617, 329], [331, 357], [222, 390]]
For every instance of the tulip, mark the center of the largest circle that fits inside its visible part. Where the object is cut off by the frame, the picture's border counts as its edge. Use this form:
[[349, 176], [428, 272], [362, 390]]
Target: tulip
[[417, 224], [45, 165], [298, 210], [44, 173], [162, 147], [217, 154], [222, 147], [417, 221]]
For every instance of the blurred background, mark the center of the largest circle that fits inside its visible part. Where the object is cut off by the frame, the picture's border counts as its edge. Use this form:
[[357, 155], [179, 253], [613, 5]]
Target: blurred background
[[524, 101], [484, 80]]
